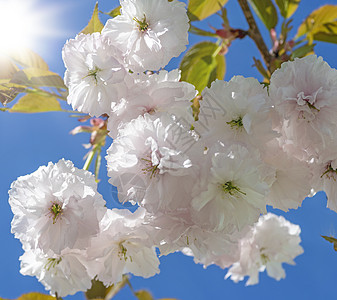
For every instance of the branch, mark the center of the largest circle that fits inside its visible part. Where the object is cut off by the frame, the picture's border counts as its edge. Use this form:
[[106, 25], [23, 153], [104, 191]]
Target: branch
[[254, 33]]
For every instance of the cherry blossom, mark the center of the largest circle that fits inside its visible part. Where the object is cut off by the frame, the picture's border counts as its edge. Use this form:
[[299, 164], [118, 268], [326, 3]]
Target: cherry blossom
[[123, 246], [232, 189], [272, 241], [153, 94], [149, 32], [95, 74], [238, 110], [303, 93], [64, 274], [149, 163], [291, 180], [56, 207]]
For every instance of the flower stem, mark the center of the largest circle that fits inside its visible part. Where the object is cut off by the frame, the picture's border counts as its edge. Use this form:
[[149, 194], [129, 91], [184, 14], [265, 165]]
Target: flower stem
[[98, 162], [89, 159]]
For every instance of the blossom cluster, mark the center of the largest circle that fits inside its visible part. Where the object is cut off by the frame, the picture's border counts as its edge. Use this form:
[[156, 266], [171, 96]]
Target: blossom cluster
[[201, 187]]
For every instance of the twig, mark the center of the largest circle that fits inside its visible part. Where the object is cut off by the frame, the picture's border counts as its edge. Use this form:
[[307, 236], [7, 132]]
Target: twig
[[255, 34]]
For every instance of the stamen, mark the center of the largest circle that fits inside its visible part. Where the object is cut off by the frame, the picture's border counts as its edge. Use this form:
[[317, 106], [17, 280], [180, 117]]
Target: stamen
[[93, 73], [151, 111], [264, 258], [311, 106], [56, 211], [122, 252], [52, 263], [330, 172], [231, 189], [142, 24], [236, 123], [150, 168]]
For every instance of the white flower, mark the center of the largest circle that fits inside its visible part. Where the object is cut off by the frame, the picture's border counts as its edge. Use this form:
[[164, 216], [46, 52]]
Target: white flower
[[95, 74], [56, 207], [123, 246], [325, 176], [154, 94], [304, 93], [149, 32], [232, 190], [272, 241], [292, 179], [176, 231], [237, 111], [64, 274], [149, 163]]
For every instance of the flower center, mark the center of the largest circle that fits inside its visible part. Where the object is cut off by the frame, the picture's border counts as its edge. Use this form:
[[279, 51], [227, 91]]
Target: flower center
[[306, 105], [122, 252], [311, 106], [56, 211], [236, 123], [231, 189], [303, 99], [93, 73], [150, 168], [142, 24], [264, 258], [151, 110], [52, 263], [330, 172]]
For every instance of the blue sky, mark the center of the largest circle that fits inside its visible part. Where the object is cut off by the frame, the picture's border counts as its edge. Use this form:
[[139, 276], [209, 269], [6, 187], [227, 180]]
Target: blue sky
[[28, 141]]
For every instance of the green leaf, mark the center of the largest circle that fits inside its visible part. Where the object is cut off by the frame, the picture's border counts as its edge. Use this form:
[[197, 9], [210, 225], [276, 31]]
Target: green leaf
[[331, 240], [35, 296], [303, 50], [99, 291], [7, 67], [327, 33], [287, 7], [259, 66], [34, 72], [143, 295], [199, 31], [115, 12], [32, 77], [94, 25], [8, 91], [201, 9], [320, 21], [266, 11], [28, 58], [33, 103], [202, 64]]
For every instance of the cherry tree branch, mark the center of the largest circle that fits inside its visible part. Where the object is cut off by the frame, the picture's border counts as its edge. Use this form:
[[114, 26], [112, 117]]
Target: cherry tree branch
[[254, 33]]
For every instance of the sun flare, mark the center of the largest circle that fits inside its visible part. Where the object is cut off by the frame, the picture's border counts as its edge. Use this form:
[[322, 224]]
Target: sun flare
[[22, 23]]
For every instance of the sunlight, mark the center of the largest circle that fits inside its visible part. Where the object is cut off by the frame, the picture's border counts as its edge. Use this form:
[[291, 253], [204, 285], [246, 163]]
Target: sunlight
[[22, 23]]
